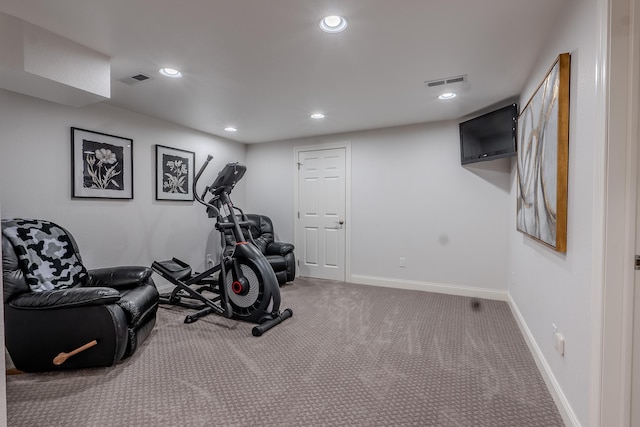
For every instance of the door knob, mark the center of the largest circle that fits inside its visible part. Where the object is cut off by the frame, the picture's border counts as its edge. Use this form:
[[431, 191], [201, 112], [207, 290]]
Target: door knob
[[341, 222]]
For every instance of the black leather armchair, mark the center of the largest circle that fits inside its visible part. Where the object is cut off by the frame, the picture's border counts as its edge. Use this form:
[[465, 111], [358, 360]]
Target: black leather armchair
[[280, 255], [54, 306]]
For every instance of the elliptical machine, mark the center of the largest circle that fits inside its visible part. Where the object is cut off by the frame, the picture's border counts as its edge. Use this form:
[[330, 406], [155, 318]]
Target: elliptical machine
[[246, 287]]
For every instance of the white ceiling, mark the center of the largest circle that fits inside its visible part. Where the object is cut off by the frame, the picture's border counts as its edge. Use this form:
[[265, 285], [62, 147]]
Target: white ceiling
[[264, 66]]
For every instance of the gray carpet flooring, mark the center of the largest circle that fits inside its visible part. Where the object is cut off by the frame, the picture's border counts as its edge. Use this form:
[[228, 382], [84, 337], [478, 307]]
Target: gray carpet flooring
[[351, 355]]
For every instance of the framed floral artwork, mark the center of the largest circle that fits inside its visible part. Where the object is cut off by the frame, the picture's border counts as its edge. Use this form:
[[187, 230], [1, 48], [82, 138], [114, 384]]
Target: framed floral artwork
[[174, 173], [101, 165]]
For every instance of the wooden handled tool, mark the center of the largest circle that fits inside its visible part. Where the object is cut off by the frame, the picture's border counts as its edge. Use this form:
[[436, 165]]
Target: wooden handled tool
[[62, 357]]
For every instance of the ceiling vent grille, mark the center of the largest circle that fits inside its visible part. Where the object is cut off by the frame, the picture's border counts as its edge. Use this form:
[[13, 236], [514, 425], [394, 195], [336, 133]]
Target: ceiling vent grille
[[135, 79], [446, 81]]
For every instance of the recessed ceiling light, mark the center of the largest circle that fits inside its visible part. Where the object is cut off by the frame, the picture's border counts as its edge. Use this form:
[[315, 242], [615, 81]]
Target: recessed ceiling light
[[447, 95], [317, 116], [230, 129], [333, 24], [170, 72]]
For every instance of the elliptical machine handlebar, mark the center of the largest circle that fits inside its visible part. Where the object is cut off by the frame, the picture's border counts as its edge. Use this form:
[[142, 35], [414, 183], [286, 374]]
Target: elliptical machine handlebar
[[198, 198], [199, 174]]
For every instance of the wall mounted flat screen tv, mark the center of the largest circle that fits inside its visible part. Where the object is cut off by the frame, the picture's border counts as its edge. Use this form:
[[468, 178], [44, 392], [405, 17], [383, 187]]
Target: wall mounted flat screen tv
[[489, 136]]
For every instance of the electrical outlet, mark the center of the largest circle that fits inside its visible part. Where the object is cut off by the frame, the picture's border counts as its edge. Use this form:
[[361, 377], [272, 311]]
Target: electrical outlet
[[403, 262], [558, 339], [559, 343]]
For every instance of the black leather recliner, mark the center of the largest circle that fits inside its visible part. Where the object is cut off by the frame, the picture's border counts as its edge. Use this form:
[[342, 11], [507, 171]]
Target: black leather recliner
[[53, 305], [280, 255]]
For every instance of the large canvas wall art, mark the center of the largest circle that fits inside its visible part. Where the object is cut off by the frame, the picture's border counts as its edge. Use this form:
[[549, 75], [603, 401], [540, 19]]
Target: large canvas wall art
[[101, 165], [542, 159]]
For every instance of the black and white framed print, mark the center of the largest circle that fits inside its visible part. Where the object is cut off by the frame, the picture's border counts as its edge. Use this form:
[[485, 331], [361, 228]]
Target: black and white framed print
[[174, 173], [101, 165]]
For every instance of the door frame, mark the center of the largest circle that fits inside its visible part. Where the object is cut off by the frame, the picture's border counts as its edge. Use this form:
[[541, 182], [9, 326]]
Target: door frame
[[3, 379], [615, 190], [347, 183]]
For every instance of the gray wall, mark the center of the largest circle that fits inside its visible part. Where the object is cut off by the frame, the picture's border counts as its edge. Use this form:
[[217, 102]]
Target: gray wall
[[410, 198], [548, 287], [35, 182]]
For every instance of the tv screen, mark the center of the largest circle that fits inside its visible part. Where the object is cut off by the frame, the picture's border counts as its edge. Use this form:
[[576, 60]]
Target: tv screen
[[490, 136]]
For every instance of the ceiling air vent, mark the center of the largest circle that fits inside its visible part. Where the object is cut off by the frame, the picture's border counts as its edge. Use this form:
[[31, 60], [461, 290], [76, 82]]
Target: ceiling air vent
[[135, 79], [446, 81]]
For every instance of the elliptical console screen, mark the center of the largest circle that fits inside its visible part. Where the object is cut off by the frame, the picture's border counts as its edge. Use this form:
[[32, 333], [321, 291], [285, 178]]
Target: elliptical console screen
[[227, 178]]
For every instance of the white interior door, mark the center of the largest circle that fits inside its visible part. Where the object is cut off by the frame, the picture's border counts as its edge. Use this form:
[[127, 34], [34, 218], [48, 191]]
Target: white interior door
[[635, 360], [635, 352], [321, 237], [635, 375]]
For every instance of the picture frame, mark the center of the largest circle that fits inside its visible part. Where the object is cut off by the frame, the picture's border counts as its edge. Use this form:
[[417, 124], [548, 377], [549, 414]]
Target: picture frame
[[174, 173], [101, 165], [543, 159]]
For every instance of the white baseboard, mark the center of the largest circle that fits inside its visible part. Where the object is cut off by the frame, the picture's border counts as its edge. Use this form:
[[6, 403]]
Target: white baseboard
[[566, 412], [430, 287]]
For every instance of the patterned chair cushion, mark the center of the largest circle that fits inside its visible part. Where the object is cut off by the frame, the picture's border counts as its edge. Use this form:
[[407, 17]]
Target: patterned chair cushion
[[46, 254]]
